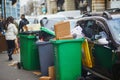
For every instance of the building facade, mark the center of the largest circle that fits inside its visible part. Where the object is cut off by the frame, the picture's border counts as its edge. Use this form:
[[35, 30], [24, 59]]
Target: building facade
[[114, 3], [7, 9], [53, 6], [95, 5], [98, 5]]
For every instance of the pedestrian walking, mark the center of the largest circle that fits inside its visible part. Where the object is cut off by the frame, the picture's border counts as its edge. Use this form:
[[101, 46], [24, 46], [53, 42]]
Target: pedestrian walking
[[10, 35], [81, 7], [23, 23], [43, 9], [85, 5]]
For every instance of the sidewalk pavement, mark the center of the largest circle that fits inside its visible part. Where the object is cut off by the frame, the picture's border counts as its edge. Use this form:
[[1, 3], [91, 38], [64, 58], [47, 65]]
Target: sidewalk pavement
[[8, 72]]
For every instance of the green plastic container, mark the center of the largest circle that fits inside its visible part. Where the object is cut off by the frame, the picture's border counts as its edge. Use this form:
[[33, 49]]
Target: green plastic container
[[104, 57], [29, 55], [68, 59], [47, 31]]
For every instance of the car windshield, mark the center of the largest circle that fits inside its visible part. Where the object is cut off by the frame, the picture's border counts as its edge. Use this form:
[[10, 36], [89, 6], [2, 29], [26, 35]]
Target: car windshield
[[115, 28], [32, 20]]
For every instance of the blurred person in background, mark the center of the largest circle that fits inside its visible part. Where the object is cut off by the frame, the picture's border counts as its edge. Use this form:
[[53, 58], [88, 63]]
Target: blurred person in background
[[23, 23], [81, 6], [44, 9], [1, 26], [85, 7], [16, 50], [10, 35]]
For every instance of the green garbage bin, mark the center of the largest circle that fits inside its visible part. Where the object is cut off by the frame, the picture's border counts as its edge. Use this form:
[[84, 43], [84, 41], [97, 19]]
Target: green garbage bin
[[29, 55], [104, 57], [50, 32], [68, 58]]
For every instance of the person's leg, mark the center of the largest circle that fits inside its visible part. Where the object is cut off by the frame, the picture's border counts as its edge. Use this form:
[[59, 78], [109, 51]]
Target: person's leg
[[81, 10], [16, 46], [10, 54], [11, 47]]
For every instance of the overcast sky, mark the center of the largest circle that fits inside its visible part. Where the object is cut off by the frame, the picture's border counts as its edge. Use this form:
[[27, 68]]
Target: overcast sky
[[23, 2]]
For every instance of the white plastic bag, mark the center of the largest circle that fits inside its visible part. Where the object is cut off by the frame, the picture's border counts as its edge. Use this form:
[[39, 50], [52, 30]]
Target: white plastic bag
[[77, 32]]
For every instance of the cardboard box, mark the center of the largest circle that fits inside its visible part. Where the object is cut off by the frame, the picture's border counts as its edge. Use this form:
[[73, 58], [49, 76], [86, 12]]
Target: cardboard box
[[62, 29], [51, 72], [66, 37], [45, 78]]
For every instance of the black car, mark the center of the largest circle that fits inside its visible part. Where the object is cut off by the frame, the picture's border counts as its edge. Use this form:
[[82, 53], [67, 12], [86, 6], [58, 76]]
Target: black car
[[103, 35], [113, 10]]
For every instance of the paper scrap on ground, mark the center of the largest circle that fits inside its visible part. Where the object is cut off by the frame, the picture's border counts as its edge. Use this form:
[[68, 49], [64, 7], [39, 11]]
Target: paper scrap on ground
[[37, 73], [13, 63]]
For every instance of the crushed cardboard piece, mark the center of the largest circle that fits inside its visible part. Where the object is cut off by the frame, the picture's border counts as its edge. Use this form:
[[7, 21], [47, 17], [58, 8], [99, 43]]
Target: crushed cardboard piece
[[13, 63], [66, 37], [51, 72], [45, 78], [37, 73], [62, 29]]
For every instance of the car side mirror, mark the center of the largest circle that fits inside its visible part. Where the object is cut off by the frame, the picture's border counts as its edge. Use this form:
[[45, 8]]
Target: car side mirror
[[102, 41]]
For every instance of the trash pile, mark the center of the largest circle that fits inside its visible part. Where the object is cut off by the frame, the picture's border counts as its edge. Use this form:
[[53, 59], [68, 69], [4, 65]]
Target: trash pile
[[44, 47]]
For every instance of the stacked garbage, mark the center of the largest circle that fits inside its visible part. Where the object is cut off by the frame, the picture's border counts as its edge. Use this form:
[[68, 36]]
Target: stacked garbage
[[55, 53], [64, 54]]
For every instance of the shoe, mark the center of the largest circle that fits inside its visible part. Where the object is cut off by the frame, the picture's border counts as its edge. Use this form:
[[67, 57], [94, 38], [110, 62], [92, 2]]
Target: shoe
[[10, 59]]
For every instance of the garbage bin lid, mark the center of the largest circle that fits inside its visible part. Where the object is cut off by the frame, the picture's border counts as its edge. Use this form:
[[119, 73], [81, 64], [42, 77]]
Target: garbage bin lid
[[47, 31], [67, 41]]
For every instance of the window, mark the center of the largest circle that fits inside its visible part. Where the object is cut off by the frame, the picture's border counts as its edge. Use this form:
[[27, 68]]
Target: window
[[92, 29], [88, 28]]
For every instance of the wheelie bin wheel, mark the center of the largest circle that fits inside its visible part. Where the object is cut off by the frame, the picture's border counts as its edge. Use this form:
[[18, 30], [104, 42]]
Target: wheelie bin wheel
[[19, 65]]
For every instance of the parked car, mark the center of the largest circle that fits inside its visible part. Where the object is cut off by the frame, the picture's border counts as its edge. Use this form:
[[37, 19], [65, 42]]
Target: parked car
[[103, 36], [48, 21], [113, 10], [34, 24], [73, 23], [70, 14]]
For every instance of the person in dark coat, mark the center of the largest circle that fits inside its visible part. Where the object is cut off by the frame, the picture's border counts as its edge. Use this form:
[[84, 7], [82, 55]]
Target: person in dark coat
[[22, 23], [60, 4], [1, 26]]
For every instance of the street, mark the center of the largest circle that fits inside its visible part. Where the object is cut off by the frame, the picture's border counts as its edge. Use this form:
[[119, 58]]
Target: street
[[8, 72]]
